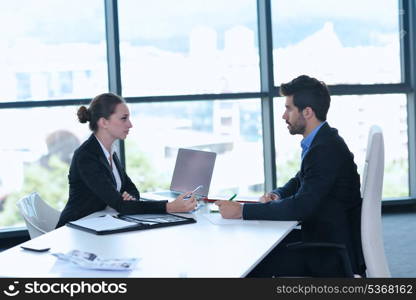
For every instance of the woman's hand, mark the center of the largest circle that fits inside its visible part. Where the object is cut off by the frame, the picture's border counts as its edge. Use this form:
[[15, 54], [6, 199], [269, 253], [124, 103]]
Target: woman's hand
[[127, 197], [182, 205]]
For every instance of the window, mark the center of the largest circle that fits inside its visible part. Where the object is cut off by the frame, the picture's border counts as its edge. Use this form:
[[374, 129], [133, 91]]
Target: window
[[49, 46], [154, 140], [354, 42], [35, 155], [56, 50], [288, 149], [23, 86], [353, 116], [191, 47]]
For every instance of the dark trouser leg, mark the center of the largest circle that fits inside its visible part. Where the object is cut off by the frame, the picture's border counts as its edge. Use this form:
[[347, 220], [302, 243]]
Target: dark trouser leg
[[282, 261], [286, 262]]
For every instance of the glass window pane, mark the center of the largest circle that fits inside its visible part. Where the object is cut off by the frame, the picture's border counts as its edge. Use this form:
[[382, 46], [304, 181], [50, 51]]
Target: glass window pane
[[35, 155], [354, 42], [230, 128], [390, 113], [353, 116], [287, 146], [188, 47], [52, 49]]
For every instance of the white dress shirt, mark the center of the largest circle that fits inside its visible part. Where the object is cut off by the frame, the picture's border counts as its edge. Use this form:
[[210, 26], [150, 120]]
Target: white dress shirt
[[111, 163]]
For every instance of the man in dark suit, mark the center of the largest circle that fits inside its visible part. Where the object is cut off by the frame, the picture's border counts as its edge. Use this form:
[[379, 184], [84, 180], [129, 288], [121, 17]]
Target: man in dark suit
[[324, 196]]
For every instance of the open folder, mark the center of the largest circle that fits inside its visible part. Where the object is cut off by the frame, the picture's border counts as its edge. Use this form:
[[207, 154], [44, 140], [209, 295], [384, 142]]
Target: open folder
[[108, 224]]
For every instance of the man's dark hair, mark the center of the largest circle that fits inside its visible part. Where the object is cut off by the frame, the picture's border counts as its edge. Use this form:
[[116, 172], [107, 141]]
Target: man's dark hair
[[308, 92]]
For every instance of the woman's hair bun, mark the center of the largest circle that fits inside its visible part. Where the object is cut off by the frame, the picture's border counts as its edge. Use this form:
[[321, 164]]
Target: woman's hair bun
[[83, 114]]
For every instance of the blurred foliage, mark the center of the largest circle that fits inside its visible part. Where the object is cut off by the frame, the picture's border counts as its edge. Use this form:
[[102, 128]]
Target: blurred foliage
[[396, 179], [288, 169], [140, 170], [50, 183]]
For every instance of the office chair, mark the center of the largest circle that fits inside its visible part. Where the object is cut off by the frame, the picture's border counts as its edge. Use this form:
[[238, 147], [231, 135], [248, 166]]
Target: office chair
[[38, 215], [371, 191], [371, 227]]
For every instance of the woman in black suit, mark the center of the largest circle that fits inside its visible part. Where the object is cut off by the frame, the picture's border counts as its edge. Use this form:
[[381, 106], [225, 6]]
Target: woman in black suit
[[96, 177]]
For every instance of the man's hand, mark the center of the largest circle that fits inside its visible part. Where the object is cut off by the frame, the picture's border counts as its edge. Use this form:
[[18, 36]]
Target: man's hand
[[268, 197], [230, 210]]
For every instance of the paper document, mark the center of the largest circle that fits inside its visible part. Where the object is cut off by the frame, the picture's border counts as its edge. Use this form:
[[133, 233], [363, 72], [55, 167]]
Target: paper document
[[89, 260], [213, 208], [102, 223], [217, 219]]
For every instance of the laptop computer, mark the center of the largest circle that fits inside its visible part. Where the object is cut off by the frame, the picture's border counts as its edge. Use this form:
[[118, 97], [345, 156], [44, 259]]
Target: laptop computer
[[193, 168]]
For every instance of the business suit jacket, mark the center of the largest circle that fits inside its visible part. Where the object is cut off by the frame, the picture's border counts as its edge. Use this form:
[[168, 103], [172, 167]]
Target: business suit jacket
[[92, 186], [324, 195]]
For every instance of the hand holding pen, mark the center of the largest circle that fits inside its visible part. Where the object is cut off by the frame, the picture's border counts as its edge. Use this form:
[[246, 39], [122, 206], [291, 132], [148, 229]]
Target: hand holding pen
[[216, 210], [230, 209], [232, 197], [193, 192], [185, 202]]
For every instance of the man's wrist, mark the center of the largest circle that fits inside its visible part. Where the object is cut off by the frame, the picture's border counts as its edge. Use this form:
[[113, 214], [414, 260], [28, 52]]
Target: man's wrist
[[241, 210], [276, 194]]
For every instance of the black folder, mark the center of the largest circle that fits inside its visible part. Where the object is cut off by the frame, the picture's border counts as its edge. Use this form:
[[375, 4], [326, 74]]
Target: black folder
[[108, 224]]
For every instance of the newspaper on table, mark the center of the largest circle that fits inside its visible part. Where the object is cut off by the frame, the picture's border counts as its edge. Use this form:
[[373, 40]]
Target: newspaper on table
[[89, 260]]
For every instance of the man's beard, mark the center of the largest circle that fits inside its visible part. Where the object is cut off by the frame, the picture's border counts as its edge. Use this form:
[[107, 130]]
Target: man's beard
[[297, 127]]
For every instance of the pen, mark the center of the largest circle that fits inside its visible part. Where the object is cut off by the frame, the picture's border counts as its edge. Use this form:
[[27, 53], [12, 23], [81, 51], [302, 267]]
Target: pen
[[232, 197], [197, 188]]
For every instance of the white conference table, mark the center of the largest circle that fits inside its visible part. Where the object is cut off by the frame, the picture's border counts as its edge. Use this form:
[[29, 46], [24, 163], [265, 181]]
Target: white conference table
[[202, 249]]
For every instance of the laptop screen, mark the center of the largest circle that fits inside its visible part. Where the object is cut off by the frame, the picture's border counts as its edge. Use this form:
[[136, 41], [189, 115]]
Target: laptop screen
[[193, 168]]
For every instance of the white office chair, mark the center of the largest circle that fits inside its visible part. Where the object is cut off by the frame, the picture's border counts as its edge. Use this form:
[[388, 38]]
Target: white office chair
[[371, 191], [38, 215]]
